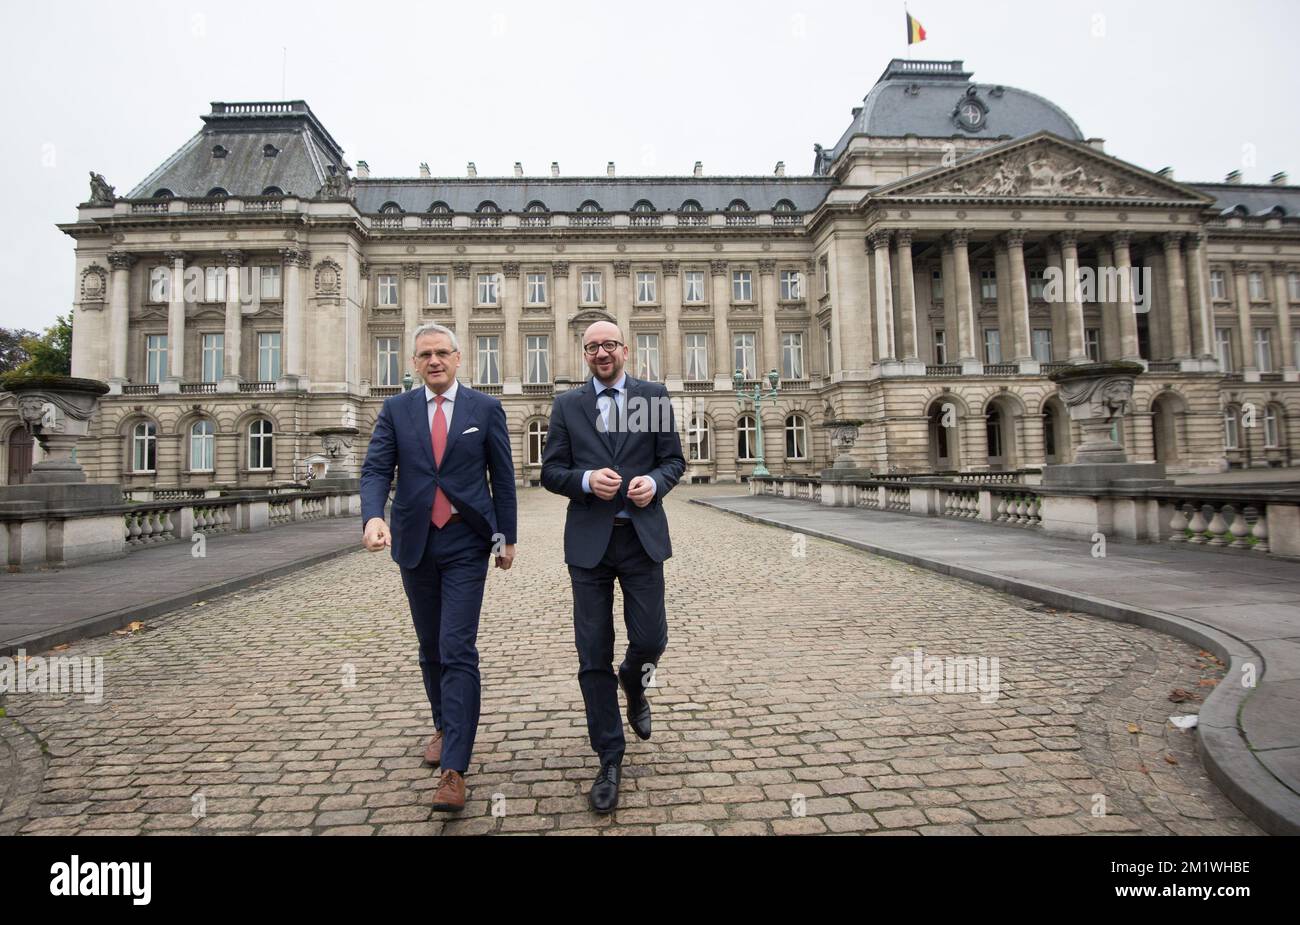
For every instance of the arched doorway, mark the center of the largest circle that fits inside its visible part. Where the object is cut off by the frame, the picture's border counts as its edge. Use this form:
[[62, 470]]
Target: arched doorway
[[1057, 449], [20, 456], [943, 425], [1002, 452]]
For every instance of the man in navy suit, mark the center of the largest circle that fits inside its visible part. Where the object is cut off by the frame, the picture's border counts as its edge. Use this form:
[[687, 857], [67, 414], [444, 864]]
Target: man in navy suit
[[448, 442], [612, 449]]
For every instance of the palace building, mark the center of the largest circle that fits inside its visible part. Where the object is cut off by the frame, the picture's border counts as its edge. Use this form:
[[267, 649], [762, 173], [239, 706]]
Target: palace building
[[255, 288]]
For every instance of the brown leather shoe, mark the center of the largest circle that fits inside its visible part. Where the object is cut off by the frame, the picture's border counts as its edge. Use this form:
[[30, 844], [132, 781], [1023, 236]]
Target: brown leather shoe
[[450, 796], [433, 751]]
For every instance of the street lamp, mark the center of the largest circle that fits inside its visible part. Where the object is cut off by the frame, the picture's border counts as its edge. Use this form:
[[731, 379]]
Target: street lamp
[[407, 381], [756, 398]]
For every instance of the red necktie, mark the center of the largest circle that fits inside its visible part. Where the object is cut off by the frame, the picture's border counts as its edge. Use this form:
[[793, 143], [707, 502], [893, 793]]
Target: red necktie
[[441, 506]]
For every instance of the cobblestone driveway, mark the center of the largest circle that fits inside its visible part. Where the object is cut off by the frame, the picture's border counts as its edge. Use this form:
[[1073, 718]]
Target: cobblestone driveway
[[297, 707]]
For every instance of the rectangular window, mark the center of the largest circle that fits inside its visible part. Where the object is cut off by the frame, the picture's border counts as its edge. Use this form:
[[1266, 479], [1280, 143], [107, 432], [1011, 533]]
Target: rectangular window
[[828, 355], [214, 348], [743, 357], [487, 289], [387, 290], [936, 285], [1042, 344], [155, 358], [268, 356], [992, 345], [1270, 428], [791, 286], [646, 290], [537, 362], [536, 288], [989, 285], [387, 363], [1293, 286], [1264, 350], [1230, 430], [647, 357], [214, 284], [160, 280], [1036, 284], [791, 355], [1255, 280], [1218, 286], [487, 370], [592, 292], [437, 289], [826, 275], [741, 286], [697, 357], [694, 286], [940, 347], [1092, 343], [269, 283], [1223, 348]]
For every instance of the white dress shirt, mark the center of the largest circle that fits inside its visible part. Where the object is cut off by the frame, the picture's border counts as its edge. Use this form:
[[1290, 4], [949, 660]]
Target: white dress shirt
[[603, 406], [448, 406]]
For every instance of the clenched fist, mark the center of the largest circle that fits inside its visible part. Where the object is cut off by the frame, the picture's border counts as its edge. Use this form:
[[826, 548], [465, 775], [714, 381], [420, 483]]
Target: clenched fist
[[376, 536]]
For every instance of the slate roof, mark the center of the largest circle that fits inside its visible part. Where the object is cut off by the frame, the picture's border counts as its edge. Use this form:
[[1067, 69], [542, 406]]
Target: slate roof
[[1257, 199]]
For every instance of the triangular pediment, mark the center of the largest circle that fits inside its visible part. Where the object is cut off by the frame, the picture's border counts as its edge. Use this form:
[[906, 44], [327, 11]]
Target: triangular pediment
[[1042, 166]]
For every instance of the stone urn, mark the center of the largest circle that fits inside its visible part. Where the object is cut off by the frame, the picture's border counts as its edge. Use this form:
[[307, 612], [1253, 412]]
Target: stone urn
[[336, 442], [56, 411], [844, 434]]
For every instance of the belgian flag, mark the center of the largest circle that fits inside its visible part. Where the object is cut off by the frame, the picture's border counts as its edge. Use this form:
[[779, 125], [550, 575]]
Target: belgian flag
[[915, 31]]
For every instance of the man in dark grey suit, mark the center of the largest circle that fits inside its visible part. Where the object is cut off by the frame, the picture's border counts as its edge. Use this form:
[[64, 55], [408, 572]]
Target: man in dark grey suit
[[612, 449]]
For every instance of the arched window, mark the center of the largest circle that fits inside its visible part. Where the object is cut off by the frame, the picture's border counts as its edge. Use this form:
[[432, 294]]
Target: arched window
[[746, 437], [488, 206], [144, 447], [1231, 434], [993, 431], [217, 193], [645, 205], [269, 150], [536, 442], [273, 191], [785, 205], [590, 205], [699, 439], [202, 439], [690, 205], [164, 193], [536, 206], [796, 437], [738, 205], [1049, 432], [260, 449], [390, 208], [219, 151], [439, 208]]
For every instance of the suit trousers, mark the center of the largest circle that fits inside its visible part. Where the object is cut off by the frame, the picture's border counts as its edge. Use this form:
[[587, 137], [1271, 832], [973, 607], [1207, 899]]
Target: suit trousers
[[642, 581], [445, 592]]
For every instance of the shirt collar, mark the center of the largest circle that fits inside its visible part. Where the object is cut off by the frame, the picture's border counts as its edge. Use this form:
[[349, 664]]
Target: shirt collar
[[450, 394], [621, 385]]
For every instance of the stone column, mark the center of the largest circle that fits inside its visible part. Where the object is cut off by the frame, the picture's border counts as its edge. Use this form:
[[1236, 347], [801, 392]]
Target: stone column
[[512, 367], [462, 305], [1176, 289], [970, 364], [672, 325], [1024, 354], [1076, 347], [560, 307], [1128, 332], [1006, 325], [722, 367], [882, 301], [1110, 341], [292, 359], [1282, 297], [1245, 327], [767, 302], [119, 319], [951, 326], [910, 347], [171, 383], [1198, 292], [229, 381], [623, 298], [411, 303]]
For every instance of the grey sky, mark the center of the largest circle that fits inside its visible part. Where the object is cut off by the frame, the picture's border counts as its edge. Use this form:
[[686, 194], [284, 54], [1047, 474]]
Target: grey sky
[[116, 88]]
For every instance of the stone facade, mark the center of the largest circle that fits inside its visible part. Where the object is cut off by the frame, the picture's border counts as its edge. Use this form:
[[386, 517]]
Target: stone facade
[[909, 274]]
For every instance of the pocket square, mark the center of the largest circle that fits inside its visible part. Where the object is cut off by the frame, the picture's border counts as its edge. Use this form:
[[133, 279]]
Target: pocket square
[[472, 430]]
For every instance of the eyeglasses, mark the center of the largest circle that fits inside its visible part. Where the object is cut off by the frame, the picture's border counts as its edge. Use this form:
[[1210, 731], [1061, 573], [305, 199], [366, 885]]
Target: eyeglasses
[[592, 349], [443, 355]]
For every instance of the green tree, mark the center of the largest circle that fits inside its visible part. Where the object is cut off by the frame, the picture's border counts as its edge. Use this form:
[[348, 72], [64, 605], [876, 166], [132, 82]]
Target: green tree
[[51, 353], [12, 353]]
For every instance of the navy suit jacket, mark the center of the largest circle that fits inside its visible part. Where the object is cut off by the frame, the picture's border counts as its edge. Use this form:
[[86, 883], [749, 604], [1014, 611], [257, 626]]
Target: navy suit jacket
[[573, 445], [471, 461]]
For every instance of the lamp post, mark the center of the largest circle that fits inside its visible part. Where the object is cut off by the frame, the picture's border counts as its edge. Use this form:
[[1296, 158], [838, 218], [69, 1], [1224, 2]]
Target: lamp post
[[407, 381], [756, 399]]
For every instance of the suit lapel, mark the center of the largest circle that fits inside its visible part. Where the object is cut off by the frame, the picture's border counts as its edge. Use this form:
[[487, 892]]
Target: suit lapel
[[620, 436], [587, 398], [418, 406], [462, 416]]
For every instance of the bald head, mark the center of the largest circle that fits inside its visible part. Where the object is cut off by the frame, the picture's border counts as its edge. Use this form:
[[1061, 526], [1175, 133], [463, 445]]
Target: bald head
[[606, 363]]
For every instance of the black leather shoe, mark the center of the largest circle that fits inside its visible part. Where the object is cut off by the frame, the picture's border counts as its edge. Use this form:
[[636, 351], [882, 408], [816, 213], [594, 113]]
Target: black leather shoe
[[604, 791], [638, 707]]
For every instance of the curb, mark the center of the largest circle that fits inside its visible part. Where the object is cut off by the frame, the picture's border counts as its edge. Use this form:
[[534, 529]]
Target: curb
[[1231, 764], [103, 623]]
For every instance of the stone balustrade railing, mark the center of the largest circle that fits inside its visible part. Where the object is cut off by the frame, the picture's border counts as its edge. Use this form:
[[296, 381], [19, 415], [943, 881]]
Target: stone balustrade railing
[[1254, 520]]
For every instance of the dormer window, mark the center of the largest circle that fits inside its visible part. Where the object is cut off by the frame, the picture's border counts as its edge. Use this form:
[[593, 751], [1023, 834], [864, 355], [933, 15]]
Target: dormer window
[[390, 208], [439, 208], [217, 193], [164, 193], [273, 191], [738, 205], [219, 151], [645, 205], [270, 150], [488, 206], [690, 205], [590, 205], [536, 206], [785, 205]]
